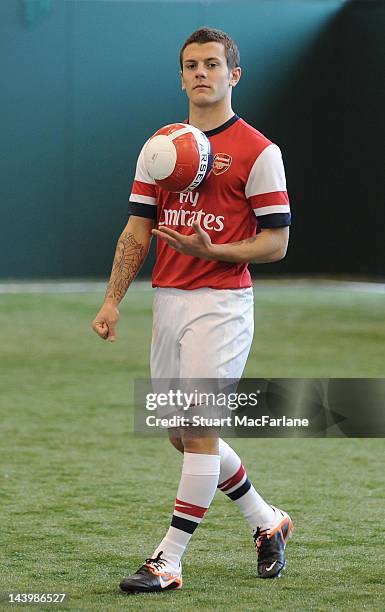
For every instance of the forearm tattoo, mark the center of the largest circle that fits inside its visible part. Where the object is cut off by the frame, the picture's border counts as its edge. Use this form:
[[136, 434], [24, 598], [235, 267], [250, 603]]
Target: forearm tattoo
[[128, 258]]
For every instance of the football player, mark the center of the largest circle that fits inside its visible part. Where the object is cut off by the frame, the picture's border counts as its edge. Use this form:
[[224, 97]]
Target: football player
[[203, 305]]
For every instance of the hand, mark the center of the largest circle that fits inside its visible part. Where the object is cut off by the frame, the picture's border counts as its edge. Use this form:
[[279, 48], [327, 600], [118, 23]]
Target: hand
[[105, 321], [196, 245]]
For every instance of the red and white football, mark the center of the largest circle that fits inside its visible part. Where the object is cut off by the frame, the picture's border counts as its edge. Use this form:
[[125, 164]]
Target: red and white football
[[178, 157]]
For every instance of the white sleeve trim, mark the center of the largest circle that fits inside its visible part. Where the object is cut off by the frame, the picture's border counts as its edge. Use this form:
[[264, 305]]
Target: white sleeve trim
[[267, 174], [142, 199], [141, 173], [268, 210]]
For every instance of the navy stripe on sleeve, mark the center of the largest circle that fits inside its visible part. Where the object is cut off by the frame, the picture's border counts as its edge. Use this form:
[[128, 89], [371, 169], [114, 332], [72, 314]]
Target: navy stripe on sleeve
[[136, 209], [274, 220]]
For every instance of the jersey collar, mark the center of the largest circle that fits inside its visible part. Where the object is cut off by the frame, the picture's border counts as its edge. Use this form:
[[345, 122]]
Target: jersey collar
[[222, 127]]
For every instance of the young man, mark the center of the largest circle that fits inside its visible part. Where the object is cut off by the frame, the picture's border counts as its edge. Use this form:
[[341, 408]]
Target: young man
[[204, 289]]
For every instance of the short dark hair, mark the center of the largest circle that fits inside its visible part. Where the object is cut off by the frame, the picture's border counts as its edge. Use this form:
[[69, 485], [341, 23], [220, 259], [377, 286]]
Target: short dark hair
[[205, 35]]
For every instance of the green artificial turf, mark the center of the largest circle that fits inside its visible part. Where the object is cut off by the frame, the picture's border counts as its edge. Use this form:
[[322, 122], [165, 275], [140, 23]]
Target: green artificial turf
[[84, 500]]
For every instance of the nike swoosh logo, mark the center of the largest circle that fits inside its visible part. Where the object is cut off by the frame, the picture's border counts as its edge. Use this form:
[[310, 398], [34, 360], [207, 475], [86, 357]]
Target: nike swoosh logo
[[165, 583], [271, 566]]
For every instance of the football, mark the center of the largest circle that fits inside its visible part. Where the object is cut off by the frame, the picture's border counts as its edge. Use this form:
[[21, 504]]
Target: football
[[178, 157]]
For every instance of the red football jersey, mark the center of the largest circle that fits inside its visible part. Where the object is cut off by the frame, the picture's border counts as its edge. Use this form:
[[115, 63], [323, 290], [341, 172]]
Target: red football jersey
[[245, 189]]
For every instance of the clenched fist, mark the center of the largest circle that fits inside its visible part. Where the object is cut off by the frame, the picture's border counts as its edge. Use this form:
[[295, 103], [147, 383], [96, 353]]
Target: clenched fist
[[105, 321]]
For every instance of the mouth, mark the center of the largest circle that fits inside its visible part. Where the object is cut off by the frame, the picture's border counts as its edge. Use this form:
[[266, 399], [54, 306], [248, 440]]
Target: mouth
[[201, 87]]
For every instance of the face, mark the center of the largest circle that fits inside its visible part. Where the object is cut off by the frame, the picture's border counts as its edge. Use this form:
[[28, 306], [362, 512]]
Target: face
[[205, 76]]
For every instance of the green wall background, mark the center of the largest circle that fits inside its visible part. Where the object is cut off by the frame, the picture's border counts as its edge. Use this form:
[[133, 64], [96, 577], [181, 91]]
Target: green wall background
[[86, 82]]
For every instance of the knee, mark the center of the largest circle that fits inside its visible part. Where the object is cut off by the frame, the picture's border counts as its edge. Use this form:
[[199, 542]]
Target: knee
[[177, 443], [205, 446]]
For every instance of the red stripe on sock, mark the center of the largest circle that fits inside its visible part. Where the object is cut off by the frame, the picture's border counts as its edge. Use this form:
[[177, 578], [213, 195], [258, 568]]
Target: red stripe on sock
[[233, 480], [188, 508]]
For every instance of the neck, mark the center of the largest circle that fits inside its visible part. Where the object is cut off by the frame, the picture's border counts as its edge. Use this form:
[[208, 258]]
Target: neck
[[209, 117]]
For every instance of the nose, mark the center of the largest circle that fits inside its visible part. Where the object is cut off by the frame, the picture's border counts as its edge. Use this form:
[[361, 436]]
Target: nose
[[201, 71]]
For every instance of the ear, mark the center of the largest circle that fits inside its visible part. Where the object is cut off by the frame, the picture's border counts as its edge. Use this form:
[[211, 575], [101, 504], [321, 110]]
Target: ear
[[182, 81], [235, 75]]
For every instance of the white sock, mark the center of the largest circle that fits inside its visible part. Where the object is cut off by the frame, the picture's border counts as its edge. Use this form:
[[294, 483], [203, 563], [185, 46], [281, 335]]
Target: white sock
[[234, 482], [196, 490]]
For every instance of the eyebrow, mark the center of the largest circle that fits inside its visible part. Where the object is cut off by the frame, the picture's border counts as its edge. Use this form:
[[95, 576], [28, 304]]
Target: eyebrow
[[207, 59]]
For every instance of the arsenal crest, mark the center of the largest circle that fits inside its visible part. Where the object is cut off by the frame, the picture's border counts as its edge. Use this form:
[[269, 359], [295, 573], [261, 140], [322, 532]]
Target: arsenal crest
[[221, 163]]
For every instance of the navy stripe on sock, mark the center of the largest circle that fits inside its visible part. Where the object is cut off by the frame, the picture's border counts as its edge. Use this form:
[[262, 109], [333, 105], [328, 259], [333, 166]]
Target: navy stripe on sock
[[183, 524], [241, 491]]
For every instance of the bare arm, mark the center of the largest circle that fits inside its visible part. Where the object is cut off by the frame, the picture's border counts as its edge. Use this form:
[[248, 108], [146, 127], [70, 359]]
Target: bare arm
[[267, 246], [131, 251]]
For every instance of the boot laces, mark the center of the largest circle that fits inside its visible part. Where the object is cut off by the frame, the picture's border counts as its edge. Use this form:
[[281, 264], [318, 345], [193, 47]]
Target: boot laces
[[157, 563], [261, 539]]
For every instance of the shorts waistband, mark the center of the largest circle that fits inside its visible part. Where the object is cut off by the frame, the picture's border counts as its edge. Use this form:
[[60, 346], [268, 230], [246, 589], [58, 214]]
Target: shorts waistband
[[203, 290]]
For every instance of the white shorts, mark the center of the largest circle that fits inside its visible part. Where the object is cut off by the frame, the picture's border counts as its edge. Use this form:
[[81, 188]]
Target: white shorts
[[203, 333]]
